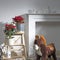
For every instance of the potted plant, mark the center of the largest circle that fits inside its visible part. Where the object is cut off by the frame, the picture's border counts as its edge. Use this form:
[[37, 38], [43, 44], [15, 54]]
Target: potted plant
[[19, 22], [9, 30]]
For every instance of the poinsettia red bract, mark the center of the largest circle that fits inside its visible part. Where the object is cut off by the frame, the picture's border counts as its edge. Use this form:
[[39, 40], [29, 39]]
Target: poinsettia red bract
[[18, 19]]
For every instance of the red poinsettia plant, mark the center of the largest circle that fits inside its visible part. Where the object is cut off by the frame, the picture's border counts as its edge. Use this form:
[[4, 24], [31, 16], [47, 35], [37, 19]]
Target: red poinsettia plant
[[19, 19], [9, 29]]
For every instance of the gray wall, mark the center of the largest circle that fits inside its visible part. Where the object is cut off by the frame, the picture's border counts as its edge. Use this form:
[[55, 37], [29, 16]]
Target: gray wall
[[11, 8], [2, 36]]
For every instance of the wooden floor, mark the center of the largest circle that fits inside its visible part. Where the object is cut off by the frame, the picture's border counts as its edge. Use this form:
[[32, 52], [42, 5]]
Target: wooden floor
[[58, 58]]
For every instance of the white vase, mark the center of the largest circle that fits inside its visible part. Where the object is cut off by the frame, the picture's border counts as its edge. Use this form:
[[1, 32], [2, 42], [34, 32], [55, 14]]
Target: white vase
[[9, 54]]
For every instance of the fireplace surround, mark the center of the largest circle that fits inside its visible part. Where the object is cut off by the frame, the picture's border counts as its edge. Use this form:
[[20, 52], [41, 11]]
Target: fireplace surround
[[31, 30]]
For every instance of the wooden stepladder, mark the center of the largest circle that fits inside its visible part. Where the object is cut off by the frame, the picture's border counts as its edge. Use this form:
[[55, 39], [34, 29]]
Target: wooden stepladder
[[22, 42], [17, 47]]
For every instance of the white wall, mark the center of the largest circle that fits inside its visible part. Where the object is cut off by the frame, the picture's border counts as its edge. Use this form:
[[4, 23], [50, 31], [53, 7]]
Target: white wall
[[11, 8], [2, 36]]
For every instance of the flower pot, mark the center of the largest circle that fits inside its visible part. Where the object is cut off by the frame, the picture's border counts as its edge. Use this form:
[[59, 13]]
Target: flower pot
[[20, 26]]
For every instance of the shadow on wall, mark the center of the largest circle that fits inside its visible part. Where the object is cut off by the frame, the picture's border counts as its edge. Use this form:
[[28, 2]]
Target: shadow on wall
[[2, 36]]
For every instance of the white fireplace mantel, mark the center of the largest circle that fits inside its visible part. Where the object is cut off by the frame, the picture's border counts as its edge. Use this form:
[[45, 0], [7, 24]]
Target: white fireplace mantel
[[30, 20]]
